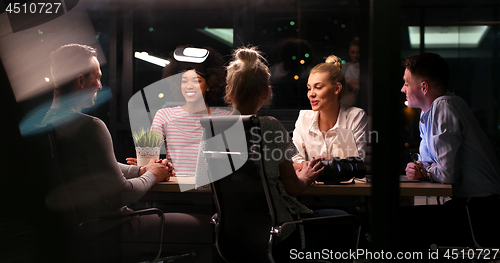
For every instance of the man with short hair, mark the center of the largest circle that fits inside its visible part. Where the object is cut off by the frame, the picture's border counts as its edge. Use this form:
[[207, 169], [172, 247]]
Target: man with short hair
[[454, 150], [95, 184]]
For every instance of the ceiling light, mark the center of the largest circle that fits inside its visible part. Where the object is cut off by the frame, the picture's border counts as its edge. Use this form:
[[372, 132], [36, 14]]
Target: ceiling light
[[151, 59], [224, 35], [448, 36]]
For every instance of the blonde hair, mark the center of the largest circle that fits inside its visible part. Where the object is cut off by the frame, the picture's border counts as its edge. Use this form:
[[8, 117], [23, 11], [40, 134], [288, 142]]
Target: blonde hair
[[247, 76], [332, 66]]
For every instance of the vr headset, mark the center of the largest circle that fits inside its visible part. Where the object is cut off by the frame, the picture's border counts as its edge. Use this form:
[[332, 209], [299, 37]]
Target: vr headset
[[191, 58]]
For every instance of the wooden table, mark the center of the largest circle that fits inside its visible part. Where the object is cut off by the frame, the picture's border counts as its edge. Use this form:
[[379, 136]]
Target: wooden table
[[406, 188]]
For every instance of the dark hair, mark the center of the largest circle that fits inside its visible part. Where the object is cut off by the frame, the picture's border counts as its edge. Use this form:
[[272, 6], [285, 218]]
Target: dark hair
[[354, 42], [215, 74], [67, 62], [291, 51], [430, 67]]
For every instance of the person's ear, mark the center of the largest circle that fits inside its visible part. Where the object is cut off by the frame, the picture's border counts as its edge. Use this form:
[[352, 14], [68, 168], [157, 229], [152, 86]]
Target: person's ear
[[339, 88], [265, 95], [424, 86], [79, 81]]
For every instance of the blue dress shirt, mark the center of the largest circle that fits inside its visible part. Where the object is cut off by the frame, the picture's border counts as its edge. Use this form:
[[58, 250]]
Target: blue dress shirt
[[463, 156]]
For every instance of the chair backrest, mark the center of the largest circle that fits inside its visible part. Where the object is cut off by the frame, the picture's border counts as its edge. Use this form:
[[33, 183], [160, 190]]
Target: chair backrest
[[61, 224], [46, 142], [483, 221], [244, 209]]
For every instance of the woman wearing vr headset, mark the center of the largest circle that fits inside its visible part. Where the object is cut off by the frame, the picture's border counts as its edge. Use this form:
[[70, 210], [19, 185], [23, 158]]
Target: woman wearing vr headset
[[315, 130], [201, 75]]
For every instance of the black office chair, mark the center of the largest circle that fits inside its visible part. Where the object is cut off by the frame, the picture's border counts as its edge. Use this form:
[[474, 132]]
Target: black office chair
[[483, 228], [245, 220], [482, 213], [79, 242]]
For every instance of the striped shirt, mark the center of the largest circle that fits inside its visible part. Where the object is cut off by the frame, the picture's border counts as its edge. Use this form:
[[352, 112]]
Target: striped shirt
[[183, 132]]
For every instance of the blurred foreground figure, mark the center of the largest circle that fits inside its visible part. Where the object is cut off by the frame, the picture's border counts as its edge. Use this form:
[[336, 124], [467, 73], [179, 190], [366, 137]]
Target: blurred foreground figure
[[95, 184]]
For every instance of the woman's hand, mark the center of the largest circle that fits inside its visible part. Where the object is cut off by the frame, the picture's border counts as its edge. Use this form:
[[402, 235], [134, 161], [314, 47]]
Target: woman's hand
[[298, 166], [310, 171], [132, 161], [296, 181]]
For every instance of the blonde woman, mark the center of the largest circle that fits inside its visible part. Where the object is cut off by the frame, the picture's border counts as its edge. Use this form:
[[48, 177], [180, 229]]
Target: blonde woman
[[316, 129]]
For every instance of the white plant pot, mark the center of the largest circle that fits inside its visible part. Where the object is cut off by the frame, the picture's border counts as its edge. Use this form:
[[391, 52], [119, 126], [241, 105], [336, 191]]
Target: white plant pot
[[144, 154]]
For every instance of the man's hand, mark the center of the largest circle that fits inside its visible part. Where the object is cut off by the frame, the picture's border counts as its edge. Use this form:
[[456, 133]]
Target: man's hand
[[159, 169], [415, 171], [169, 166]]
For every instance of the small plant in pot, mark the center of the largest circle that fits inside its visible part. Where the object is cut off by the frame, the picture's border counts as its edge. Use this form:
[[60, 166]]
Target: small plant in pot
[[147, 145]]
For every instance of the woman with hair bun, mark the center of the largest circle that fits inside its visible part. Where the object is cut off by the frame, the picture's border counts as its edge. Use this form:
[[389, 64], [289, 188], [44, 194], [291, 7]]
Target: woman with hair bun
[[247, 90], [316, 129]]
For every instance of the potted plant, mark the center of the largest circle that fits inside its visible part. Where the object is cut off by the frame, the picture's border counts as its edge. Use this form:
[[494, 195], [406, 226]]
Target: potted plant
[[147, 145]]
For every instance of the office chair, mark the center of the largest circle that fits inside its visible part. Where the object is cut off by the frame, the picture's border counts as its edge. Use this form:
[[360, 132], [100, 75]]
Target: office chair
[[245, 220], [482, 219], [80, 244]]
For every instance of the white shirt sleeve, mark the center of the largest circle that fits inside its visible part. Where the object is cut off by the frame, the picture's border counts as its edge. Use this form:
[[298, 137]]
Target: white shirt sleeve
[[298, 140]]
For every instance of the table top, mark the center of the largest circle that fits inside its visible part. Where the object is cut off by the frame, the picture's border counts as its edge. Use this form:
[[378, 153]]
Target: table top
[[422, 188]]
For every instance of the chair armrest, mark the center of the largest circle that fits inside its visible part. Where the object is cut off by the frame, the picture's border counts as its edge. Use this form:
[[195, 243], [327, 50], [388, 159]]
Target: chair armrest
[[333, 219], [214, 220], [320, 220]]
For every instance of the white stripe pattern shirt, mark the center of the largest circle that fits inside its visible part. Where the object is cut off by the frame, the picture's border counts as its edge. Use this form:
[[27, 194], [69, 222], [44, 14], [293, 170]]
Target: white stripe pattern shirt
[[183, 133]]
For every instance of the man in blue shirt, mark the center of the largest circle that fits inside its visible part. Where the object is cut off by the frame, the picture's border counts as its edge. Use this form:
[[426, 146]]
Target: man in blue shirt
[[454, 150]]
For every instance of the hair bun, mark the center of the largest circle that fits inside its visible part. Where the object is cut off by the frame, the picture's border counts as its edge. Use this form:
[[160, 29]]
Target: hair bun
[[336, 61], [247, 55]]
